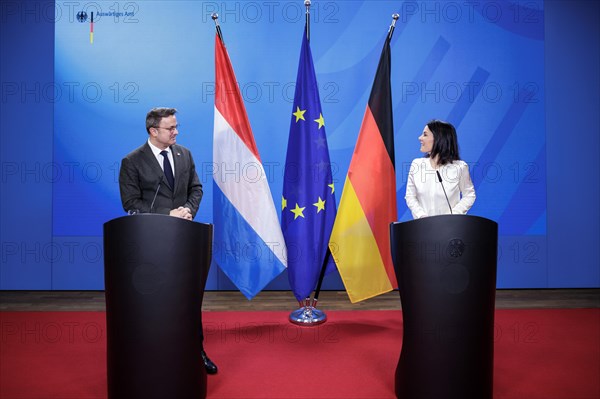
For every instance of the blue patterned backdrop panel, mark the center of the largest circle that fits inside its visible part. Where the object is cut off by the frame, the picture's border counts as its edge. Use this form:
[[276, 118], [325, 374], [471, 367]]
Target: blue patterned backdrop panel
[[479, 65]]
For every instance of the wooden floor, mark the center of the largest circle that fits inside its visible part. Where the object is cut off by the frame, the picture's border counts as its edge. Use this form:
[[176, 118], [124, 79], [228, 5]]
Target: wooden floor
[[284, 300]]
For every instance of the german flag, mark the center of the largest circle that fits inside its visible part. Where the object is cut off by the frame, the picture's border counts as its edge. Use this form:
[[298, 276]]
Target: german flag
[[360, 242], [92, 28]]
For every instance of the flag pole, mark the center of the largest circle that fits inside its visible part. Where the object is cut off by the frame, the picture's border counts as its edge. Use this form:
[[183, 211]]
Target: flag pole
[[307, 314], [215, 17], [307, 5], [306, 307], [321, 277], [393, 25]]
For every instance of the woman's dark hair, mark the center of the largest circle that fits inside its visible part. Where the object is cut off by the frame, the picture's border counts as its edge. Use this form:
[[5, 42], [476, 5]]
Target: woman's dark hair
[[445, 143]]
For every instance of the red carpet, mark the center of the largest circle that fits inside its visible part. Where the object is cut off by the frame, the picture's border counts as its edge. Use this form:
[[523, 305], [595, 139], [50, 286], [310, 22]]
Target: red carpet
[[539, 354]]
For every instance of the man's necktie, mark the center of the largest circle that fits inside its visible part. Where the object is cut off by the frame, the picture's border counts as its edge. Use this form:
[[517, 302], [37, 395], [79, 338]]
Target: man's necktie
[[167, 169]]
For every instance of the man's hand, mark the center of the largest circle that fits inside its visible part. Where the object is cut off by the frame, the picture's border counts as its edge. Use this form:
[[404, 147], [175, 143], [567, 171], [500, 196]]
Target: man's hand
[[181, 212], [188, 213]]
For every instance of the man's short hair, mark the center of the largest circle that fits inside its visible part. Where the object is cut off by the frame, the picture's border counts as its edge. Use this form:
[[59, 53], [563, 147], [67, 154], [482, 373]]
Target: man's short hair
[[156, 114]]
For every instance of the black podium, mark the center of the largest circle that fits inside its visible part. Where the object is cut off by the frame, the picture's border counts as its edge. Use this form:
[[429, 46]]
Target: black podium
[[155, 269], [446, 271]]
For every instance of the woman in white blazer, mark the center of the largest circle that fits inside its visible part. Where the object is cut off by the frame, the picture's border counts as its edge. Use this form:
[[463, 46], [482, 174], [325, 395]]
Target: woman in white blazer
[[424, 191]]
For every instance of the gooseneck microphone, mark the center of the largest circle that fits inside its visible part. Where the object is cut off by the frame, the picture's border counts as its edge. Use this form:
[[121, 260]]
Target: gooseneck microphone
[[445, 195], [154, 199]]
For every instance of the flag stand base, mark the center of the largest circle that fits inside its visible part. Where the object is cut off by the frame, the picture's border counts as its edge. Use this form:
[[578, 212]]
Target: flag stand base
[[308, 316]]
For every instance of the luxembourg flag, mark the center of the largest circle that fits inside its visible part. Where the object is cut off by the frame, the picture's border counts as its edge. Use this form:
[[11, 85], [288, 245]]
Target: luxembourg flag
[[248, 243]]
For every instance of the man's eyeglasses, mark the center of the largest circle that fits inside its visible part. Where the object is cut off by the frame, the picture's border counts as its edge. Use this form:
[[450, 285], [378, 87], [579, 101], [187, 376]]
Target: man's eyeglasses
[[170, 129]]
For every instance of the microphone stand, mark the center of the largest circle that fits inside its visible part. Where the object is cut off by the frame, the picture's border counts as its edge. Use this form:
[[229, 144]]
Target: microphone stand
[[445, 195]]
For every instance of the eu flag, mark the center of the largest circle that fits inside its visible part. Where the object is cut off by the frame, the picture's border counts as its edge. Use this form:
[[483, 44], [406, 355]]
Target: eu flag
[[308, 203]]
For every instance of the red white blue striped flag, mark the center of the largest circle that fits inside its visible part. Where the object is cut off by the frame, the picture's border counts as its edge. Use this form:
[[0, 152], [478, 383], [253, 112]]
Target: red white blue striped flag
[[249, 245]]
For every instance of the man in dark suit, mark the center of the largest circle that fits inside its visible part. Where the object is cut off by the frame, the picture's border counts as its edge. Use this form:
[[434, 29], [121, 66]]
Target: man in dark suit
[[160, 177], [145, 182]]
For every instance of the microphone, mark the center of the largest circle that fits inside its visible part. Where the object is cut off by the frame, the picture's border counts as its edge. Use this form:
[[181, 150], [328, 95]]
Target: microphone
[[154, 199], [445, 195]]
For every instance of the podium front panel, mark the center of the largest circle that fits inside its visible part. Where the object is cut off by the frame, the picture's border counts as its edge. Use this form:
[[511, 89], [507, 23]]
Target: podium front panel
[[446, 271], [156, 268]]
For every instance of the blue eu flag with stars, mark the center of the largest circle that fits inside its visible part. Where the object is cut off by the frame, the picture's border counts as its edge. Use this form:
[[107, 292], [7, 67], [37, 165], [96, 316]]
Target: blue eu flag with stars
[[308, 203]]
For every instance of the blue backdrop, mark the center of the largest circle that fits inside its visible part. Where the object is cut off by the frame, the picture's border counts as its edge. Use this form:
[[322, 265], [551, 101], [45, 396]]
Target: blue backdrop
[[513, 77]]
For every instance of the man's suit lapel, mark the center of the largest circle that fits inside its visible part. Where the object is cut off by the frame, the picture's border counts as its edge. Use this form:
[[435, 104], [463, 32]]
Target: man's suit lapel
[[152, 162], [179, 166]]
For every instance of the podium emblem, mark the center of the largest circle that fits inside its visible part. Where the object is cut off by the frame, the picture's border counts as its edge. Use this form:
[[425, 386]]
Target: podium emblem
[[456, 247]]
